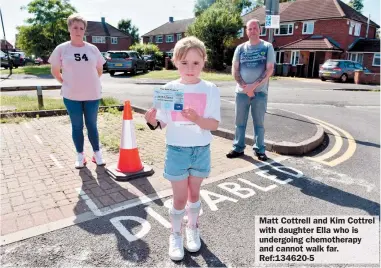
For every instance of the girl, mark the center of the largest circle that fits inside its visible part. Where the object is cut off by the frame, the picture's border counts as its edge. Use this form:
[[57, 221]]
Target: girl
[[188, 138]]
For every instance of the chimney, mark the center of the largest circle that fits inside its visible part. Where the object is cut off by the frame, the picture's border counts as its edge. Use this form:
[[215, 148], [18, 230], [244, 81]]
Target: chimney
[[367, 27], [103, 20], [170, 19]]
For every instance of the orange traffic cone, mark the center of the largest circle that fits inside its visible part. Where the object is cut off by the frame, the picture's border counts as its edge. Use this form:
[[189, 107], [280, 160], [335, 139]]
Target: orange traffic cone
[[129, 164]]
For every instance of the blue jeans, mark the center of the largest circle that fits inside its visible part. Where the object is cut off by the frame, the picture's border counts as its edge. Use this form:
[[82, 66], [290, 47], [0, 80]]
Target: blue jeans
[[258, 106], [76, 111]]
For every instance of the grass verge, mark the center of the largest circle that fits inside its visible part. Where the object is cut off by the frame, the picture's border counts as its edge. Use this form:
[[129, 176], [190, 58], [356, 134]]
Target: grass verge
[[28, 103], [32, 70]]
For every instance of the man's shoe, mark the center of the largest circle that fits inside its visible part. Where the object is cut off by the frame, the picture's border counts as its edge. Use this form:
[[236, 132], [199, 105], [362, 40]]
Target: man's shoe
[[193, 242], [176, 247], [261, 157], [81, 161], [234, 154]]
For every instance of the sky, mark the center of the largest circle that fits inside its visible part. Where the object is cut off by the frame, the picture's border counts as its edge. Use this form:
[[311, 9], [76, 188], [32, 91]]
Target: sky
[[145, 14]]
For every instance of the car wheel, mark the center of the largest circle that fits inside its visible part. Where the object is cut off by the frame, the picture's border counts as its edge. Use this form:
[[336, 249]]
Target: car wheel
[[153, 67], [135, 70], [322, 79], [344, 78], [145, 70], [112, 73]]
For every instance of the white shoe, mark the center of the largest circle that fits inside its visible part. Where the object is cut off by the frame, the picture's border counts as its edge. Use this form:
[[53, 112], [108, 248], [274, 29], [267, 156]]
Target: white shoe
[[98, 159], [176, 247], [193, 243], [81, 160]]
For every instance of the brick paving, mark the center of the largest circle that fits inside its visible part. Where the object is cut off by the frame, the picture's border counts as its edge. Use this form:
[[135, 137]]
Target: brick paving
[[39, 183]]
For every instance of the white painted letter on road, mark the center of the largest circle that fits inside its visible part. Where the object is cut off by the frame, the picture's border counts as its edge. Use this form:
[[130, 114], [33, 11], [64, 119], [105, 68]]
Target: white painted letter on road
[[117, 222], [212, 203], [236, 189]]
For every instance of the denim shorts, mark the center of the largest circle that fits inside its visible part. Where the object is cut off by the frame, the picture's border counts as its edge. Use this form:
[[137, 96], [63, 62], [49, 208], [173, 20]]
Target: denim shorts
[[180, 162]]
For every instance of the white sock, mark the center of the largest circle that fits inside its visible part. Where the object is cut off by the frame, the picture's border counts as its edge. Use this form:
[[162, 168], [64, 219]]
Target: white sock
[[176, 217], [193, 211]]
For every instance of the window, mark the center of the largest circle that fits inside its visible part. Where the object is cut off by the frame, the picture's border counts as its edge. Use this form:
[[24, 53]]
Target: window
[[295, 55], [84, 38], [169, 38], [159, 39], [179, 36], [351, 26], [356, 57], [376, 59], [279, 56], [354, 28], [263, 31], [99, 39], [114, 40], [357, 29], [150, 39], [308, 27], [285, 29], [240, 33]]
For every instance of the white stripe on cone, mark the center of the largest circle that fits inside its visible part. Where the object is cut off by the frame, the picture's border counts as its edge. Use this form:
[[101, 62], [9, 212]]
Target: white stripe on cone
[[128, 140]]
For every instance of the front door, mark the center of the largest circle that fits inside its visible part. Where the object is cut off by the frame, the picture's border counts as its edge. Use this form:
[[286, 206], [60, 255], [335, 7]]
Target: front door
[[311, 63], [319, 60]]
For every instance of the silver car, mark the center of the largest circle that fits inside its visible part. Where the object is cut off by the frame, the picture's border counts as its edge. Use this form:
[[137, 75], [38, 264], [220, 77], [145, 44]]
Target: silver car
[[341, 70], [125, 61]]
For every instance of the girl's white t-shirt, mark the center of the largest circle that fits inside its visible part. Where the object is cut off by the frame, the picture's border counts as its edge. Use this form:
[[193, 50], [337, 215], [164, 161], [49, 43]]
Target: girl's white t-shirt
[[204, 98], [79, 65]]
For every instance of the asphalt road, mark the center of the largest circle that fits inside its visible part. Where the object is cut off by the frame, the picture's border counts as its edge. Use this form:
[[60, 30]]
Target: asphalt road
[[345, 183]]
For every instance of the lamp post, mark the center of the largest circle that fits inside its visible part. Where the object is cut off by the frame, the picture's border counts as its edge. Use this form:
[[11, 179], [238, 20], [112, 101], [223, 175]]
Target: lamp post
[[6, 45], [272, 8]]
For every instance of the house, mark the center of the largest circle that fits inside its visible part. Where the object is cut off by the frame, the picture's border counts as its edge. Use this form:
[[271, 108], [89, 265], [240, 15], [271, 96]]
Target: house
[[106, 37], [366, 51], [4, 44], [313, 31], [166, 35], [310, 33]]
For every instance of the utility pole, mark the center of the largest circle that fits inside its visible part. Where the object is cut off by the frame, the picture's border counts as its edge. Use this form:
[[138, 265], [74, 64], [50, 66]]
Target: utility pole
[[6, 45]]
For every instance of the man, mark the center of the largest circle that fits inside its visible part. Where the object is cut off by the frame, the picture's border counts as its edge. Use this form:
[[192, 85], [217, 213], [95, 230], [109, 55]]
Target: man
[[253, 64]]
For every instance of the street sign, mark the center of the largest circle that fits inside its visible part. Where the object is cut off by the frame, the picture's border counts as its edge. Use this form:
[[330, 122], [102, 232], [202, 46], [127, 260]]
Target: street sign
[[272, 21]]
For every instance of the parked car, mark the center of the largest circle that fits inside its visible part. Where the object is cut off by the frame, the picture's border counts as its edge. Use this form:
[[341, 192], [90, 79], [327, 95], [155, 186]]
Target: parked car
[[14, 58], [125, 61], [4, 60], [341, 70], [38, 61], [151, 61], [18, 58]]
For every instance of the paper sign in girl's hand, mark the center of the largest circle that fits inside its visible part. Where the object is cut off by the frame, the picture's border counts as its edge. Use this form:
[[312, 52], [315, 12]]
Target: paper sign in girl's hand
[[190, 114]]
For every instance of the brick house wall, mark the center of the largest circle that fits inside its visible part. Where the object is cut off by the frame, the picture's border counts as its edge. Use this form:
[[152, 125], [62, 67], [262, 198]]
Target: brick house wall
[[337, 29], [164, 47], [124, 43], [368, 62]]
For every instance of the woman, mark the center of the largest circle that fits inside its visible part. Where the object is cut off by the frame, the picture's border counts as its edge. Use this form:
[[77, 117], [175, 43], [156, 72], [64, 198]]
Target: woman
[[82, 65]]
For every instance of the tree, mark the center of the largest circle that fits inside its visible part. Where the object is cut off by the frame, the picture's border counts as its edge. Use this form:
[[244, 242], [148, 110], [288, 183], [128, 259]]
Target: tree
[[126, 27], [217, 27], [148, 49], [356, 5], [202, 5], [46, 28]]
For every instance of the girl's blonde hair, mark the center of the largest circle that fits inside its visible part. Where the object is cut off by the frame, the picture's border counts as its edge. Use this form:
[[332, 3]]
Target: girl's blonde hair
[[182, 47], [76, 17]]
